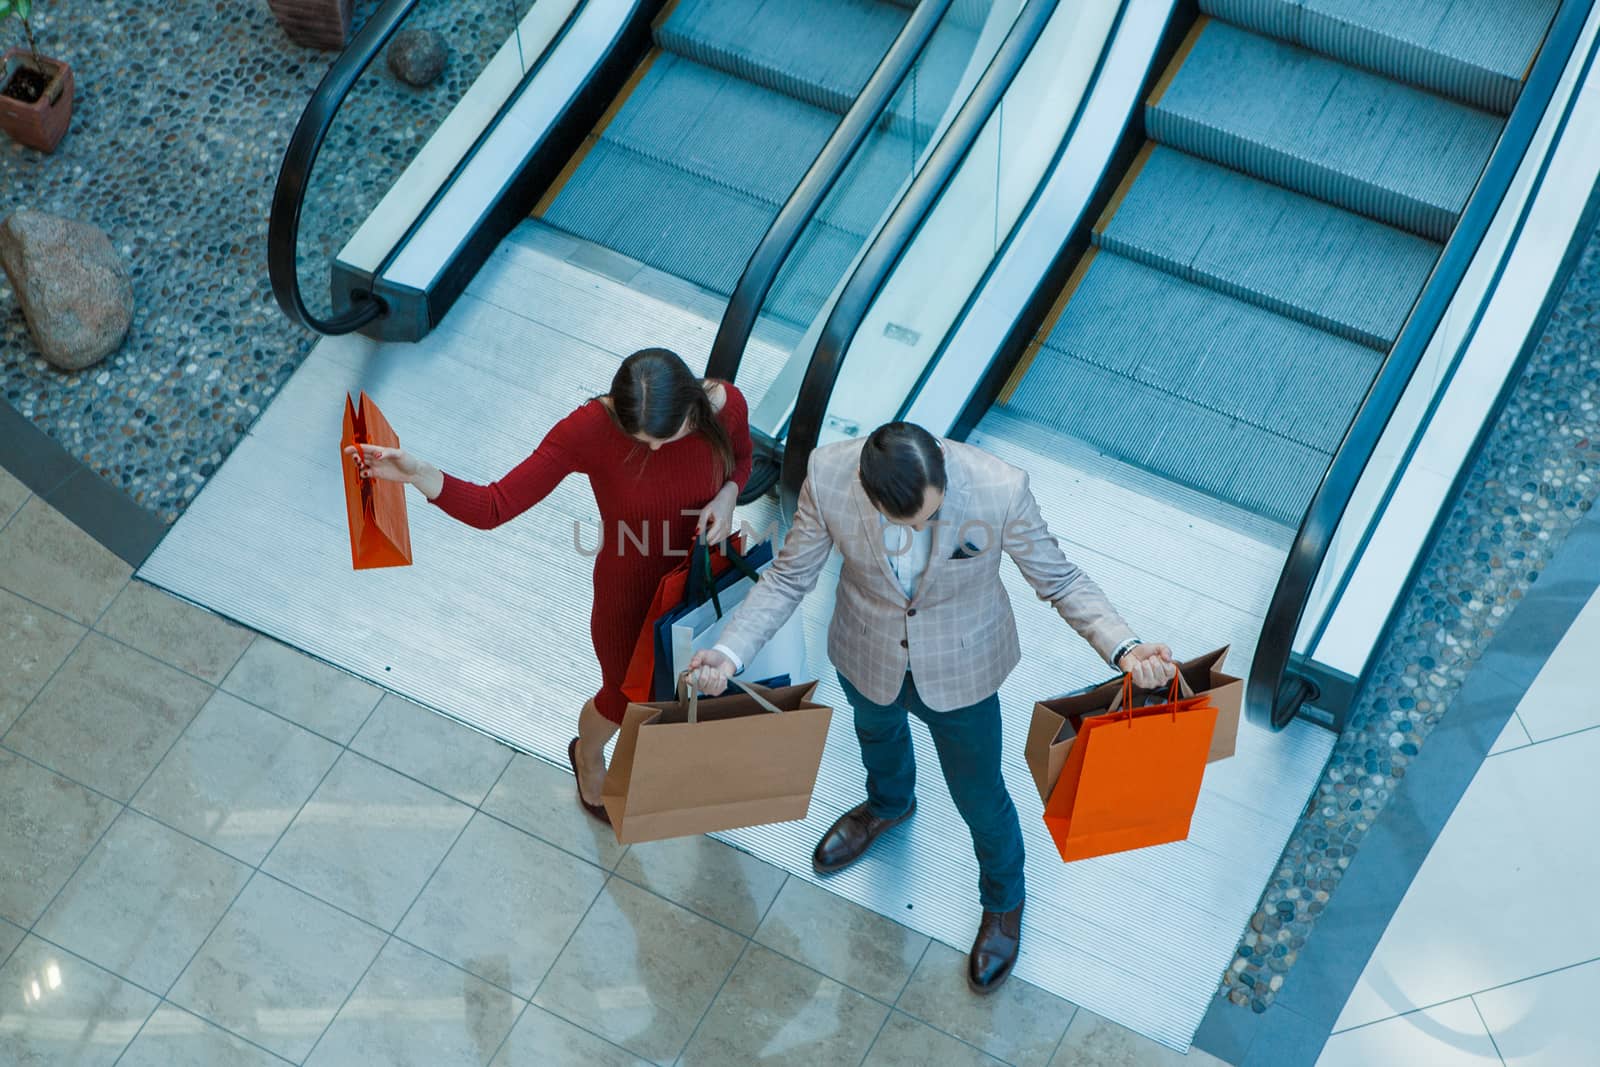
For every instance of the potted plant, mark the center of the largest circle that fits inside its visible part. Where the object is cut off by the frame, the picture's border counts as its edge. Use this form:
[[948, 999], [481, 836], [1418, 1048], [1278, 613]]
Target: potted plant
[[35, 91]]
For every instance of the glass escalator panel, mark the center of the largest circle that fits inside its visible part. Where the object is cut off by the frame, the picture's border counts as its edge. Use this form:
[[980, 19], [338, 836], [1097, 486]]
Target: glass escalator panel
[[878, 173], [391, 146], [906, 326]]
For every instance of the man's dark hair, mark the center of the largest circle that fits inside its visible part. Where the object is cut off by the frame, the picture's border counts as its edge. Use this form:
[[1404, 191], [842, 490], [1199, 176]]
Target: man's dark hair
[[899, 462]]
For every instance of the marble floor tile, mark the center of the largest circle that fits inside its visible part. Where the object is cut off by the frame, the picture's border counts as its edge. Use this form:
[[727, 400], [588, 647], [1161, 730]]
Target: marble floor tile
[[1562, 696], [175, 1038], [639, 971], [1515, 735], [1093, 1041], [841, 939], [57, 1009], [1548, 1021], [1456, 931], [174, 631], [502, 905], [302, 689], [412, 1010], [1018, 1023], [48, 560], [543, 1040], [775, 1011], [34, 643], [908, 1042], [108, 716], [543, 800], [367, 840], [47, 826], [706, 876], [10, 937], [432, 749], [237, 777], [1450, 1035], [143, 901], [13, 494], [277, 968]]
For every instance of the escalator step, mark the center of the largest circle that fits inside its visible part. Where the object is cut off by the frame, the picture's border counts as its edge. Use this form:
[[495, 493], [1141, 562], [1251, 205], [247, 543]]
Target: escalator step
[[1322, 128], [1476, 51], [725, 130], [662, 215], [691, 171], [1308, 260], [1229, 460], [1185, 382], [818, 51]]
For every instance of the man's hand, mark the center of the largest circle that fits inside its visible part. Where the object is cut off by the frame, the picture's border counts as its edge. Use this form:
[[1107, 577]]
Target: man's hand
[[709, 671], [1150, 665]]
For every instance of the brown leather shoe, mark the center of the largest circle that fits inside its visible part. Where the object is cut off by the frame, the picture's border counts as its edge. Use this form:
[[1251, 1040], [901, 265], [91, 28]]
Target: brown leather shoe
[[849, 837], [597, 810], [994, 952]]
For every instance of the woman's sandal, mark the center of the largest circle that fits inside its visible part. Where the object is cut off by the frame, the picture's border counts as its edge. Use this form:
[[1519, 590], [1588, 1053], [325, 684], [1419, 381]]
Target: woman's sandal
[[597, 810]]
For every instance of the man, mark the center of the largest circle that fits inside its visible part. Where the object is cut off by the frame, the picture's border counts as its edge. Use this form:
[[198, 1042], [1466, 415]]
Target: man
[[923, 626]]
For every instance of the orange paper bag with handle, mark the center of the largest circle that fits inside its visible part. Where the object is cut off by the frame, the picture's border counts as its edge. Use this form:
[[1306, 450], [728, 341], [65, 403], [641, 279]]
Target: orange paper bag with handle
[[379, 533], [1133, 775]]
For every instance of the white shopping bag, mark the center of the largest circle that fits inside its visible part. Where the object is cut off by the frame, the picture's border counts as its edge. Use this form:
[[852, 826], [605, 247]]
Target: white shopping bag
[[702, 628]]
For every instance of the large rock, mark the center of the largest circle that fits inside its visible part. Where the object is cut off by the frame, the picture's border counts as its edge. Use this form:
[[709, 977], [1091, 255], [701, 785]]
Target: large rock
[[417, 56], [73, 287]]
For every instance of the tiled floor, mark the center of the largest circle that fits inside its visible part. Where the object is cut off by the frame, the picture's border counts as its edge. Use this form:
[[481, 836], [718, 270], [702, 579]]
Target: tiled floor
[[220, 851], [1494, 954]]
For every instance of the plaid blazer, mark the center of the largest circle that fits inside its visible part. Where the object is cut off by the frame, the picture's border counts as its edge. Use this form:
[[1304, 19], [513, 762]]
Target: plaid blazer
[[957, 636]]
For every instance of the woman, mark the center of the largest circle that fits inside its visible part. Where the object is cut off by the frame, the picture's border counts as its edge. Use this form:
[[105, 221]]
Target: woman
[[666, 454]]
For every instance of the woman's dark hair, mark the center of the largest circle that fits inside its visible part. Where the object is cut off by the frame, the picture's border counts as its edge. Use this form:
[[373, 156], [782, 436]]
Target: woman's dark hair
[[899, 463], [654, 391]]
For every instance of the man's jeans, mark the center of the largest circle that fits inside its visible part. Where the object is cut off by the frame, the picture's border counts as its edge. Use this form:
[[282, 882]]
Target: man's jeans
[[968, 742]]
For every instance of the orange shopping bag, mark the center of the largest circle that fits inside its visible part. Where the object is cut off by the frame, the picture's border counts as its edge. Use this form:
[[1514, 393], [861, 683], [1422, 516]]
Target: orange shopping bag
[[379, 533], [1132, 776]]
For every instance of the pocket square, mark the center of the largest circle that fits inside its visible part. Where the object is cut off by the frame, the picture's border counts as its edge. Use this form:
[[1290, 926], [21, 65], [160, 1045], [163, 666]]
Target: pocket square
[[967, 551]]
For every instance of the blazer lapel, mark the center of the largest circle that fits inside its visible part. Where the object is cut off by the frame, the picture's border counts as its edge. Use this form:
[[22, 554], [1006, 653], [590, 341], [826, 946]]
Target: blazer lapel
[[872, 532]]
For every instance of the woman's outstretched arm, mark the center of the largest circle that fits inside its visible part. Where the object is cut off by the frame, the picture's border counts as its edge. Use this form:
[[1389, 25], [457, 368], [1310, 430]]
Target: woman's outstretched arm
[[488, 506]]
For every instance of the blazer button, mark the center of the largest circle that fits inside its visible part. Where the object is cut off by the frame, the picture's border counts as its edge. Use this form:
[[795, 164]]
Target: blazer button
[[911, 612], [903, 643]]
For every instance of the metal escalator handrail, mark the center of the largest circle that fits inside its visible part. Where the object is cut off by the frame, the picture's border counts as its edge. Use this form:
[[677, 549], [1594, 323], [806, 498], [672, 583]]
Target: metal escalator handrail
[[870, 275], [294, 176], [1273, 693], [761, 271]]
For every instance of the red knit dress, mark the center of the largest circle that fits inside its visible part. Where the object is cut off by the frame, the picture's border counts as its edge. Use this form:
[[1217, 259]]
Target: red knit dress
[[654, 496]]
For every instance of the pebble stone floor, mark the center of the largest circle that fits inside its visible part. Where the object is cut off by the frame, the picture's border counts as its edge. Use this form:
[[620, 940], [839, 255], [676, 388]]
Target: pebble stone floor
[[186, 200], [181, 118], [221, 851]]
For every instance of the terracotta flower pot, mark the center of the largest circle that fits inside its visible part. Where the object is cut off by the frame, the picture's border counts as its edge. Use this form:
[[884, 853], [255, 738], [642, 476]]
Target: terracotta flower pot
[[42, 123], [323, 24]]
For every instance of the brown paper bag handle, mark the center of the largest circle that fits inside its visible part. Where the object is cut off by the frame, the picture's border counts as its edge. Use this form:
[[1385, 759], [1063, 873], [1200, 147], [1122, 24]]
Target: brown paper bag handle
[[1124, 697], [754, 692]]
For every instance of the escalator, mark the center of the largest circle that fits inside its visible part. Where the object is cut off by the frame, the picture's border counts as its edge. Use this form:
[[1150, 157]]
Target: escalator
[[671, 132], [1304, 166], [689, 167], [1267, 229]]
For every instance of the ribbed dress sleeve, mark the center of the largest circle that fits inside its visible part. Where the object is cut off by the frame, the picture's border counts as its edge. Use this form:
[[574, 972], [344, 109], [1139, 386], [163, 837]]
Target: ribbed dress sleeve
[[558, 455], [735, 415]]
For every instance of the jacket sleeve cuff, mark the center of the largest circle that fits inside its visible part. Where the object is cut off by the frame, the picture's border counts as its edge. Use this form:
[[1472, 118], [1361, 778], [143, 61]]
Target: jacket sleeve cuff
[[738, 664]]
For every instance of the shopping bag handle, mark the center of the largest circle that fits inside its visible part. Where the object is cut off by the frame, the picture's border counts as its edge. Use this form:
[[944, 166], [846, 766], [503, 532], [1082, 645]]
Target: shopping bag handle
[[1124, 698], [753, 691], [700, 565]]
